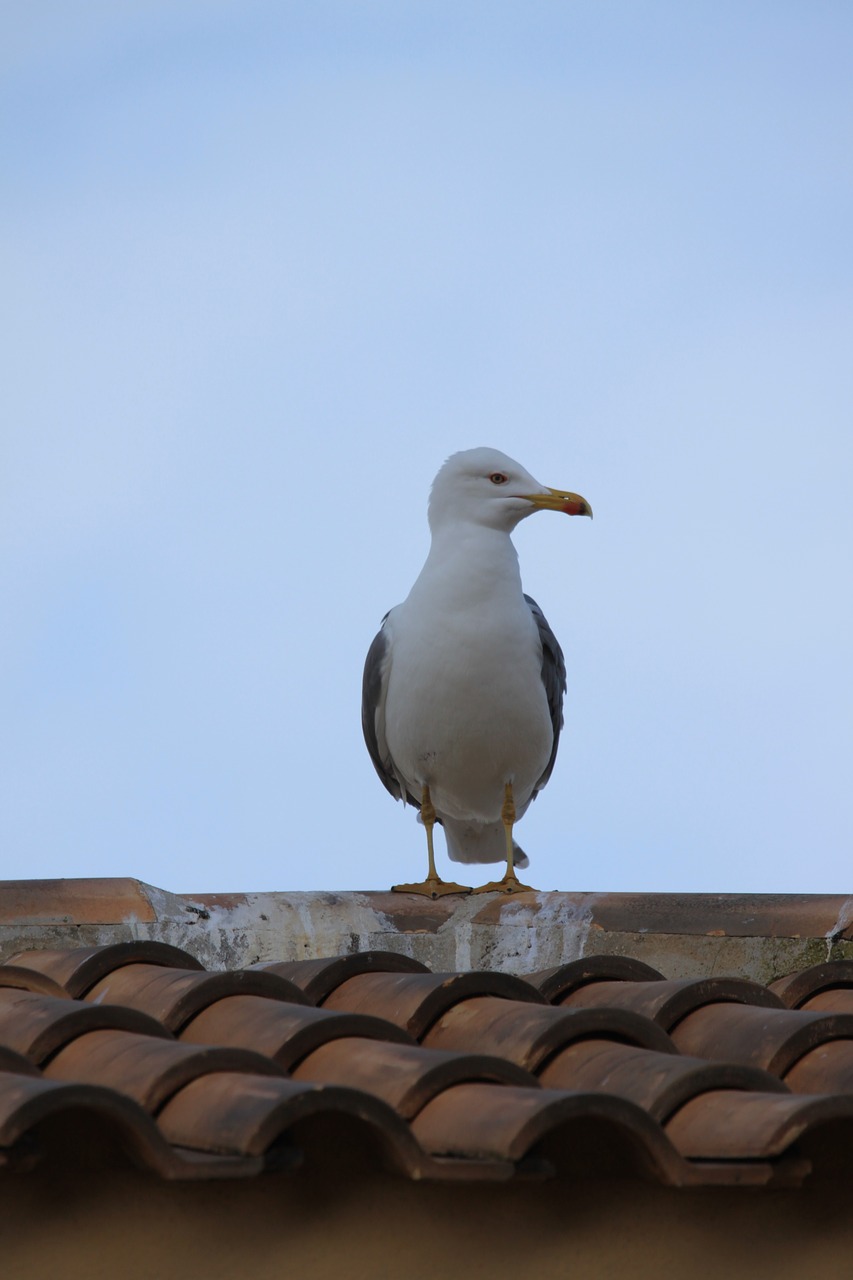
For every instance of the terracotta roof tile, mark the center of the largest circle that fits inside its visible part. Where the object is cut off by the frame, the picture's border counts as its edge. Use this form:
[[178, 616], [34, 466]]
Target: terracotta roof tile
[[773, 1039], [668, 1002], [825, 1069], [797, 988], [285, 1032], [832, 1000], [236, 1115], [416, 1001], [471, 1075], [318, 978], [658, 1082], [730, 1125], [11, 1060], [14, 975], [78, 969], [173, 996], [405, 1077], [559, 982], [37, 1026], [531, 1034], [147, 1069], [509, 1123]]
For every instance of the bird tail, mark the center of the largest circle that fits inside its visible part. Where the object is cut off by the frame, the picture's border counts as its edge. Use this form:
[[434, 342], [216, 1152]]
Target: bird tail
[[475, 842]]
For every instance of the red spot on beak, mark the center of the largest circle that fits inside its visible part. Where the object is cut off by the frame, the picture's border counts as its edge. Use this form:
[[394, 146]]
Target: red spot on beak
[[575, 508]]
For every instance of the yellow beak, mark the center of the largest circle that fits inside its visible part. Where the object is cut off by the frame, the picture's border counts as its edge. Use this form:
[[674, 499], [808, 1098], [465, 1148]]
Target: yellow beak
[[560, 500]]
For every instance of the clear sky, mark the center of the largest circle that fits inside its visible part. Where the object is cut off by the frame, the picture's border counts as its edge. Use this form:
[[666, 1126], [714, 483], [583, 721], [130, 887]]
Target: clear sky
[[265, 265]]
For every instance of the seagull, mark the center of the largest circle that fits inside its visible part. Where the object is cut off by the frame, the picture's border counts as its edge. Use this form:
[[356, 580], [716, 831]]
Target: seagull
[[462, 697]]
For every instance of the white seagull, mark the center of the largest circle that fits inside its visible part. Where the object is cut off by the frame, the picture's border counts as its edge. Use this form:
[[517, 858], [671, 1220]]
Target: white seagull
[[462, 700]]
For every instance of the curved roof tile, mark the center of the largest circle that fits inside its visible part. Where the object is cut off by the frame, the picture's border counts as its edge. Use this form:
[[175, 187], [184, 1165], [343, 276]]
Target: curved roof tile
[[37, 1026], [406, 1077], [215, 1113], [147, 1069], [415, 1001], [658, 1082], [530, 1034], [668, 1002], [173, 996], [773, 1039], [461, 1075], [77, 969], [285, 1032], [318, 978], [558, 982]]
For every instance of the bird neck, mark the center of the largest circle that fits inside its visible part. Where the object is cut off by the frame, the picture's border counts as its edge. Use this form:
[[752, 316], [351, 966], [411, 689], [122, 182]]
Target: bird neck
[[469, 560]]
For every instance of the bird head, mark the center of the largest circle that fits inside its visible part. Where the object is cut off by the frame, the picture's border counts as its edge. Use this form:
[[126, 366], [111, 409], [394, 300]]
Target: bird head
[[485, 487]]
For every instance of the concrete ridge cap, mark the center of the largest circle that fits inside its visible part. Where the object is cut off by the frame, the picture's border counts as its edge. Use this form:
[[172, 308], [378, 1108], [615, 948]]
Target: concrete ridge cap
[[122, 899]]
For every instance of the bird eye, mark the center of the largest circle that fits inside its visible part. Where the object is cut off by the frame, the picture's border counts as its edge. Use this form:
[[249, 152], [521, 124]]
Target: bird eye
[[498, 477]]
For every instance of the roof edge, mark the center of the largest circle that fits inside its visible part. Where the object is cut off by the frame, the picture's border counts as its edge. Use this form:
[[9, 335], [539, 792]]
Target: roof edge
[[759, 936]]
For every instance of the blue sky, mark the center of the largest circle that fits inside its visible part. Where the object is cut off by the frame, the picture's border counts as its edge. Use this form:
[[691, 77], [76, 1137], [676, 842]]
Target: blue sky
[[265, 266]]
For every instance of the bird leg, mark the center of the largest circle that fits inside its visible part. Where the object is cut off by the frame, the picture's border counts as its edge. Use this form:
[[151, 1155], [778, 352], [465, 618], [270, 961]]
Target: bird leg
[[510, 882], [433, 886]]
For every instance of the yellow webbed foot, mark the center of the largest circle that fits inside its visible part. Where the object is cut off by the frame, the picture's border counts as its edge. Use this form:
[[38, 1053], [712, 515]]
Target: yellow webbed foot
[[432, 888], [509, 884]]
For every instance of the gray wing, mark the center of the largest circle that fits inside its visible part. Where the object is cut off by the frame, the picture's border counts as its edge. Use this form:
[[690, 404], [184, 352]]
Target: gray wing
[[374, 686], [554, 680]]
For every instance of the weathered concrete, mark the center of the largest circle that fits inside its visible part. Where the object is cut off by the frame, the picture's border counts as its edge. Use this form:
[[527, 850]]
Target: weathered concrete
[[759, 936]]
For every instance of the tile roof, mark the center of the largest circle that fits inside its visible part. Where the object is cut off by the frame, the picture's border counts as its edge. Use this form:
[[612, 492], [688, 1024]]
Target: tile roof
[[471, 1075]]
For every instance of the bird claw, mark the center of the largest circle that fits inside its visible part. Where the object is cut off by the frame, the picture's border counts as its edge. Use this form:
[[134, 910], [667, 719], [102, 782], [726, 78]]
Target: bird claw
[[432, 888], [509, 884]]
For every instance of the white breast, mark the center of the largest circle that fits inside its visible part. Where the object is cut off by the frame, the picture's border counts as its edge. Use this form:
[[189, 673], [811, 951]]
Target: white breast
[[465, 709]]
